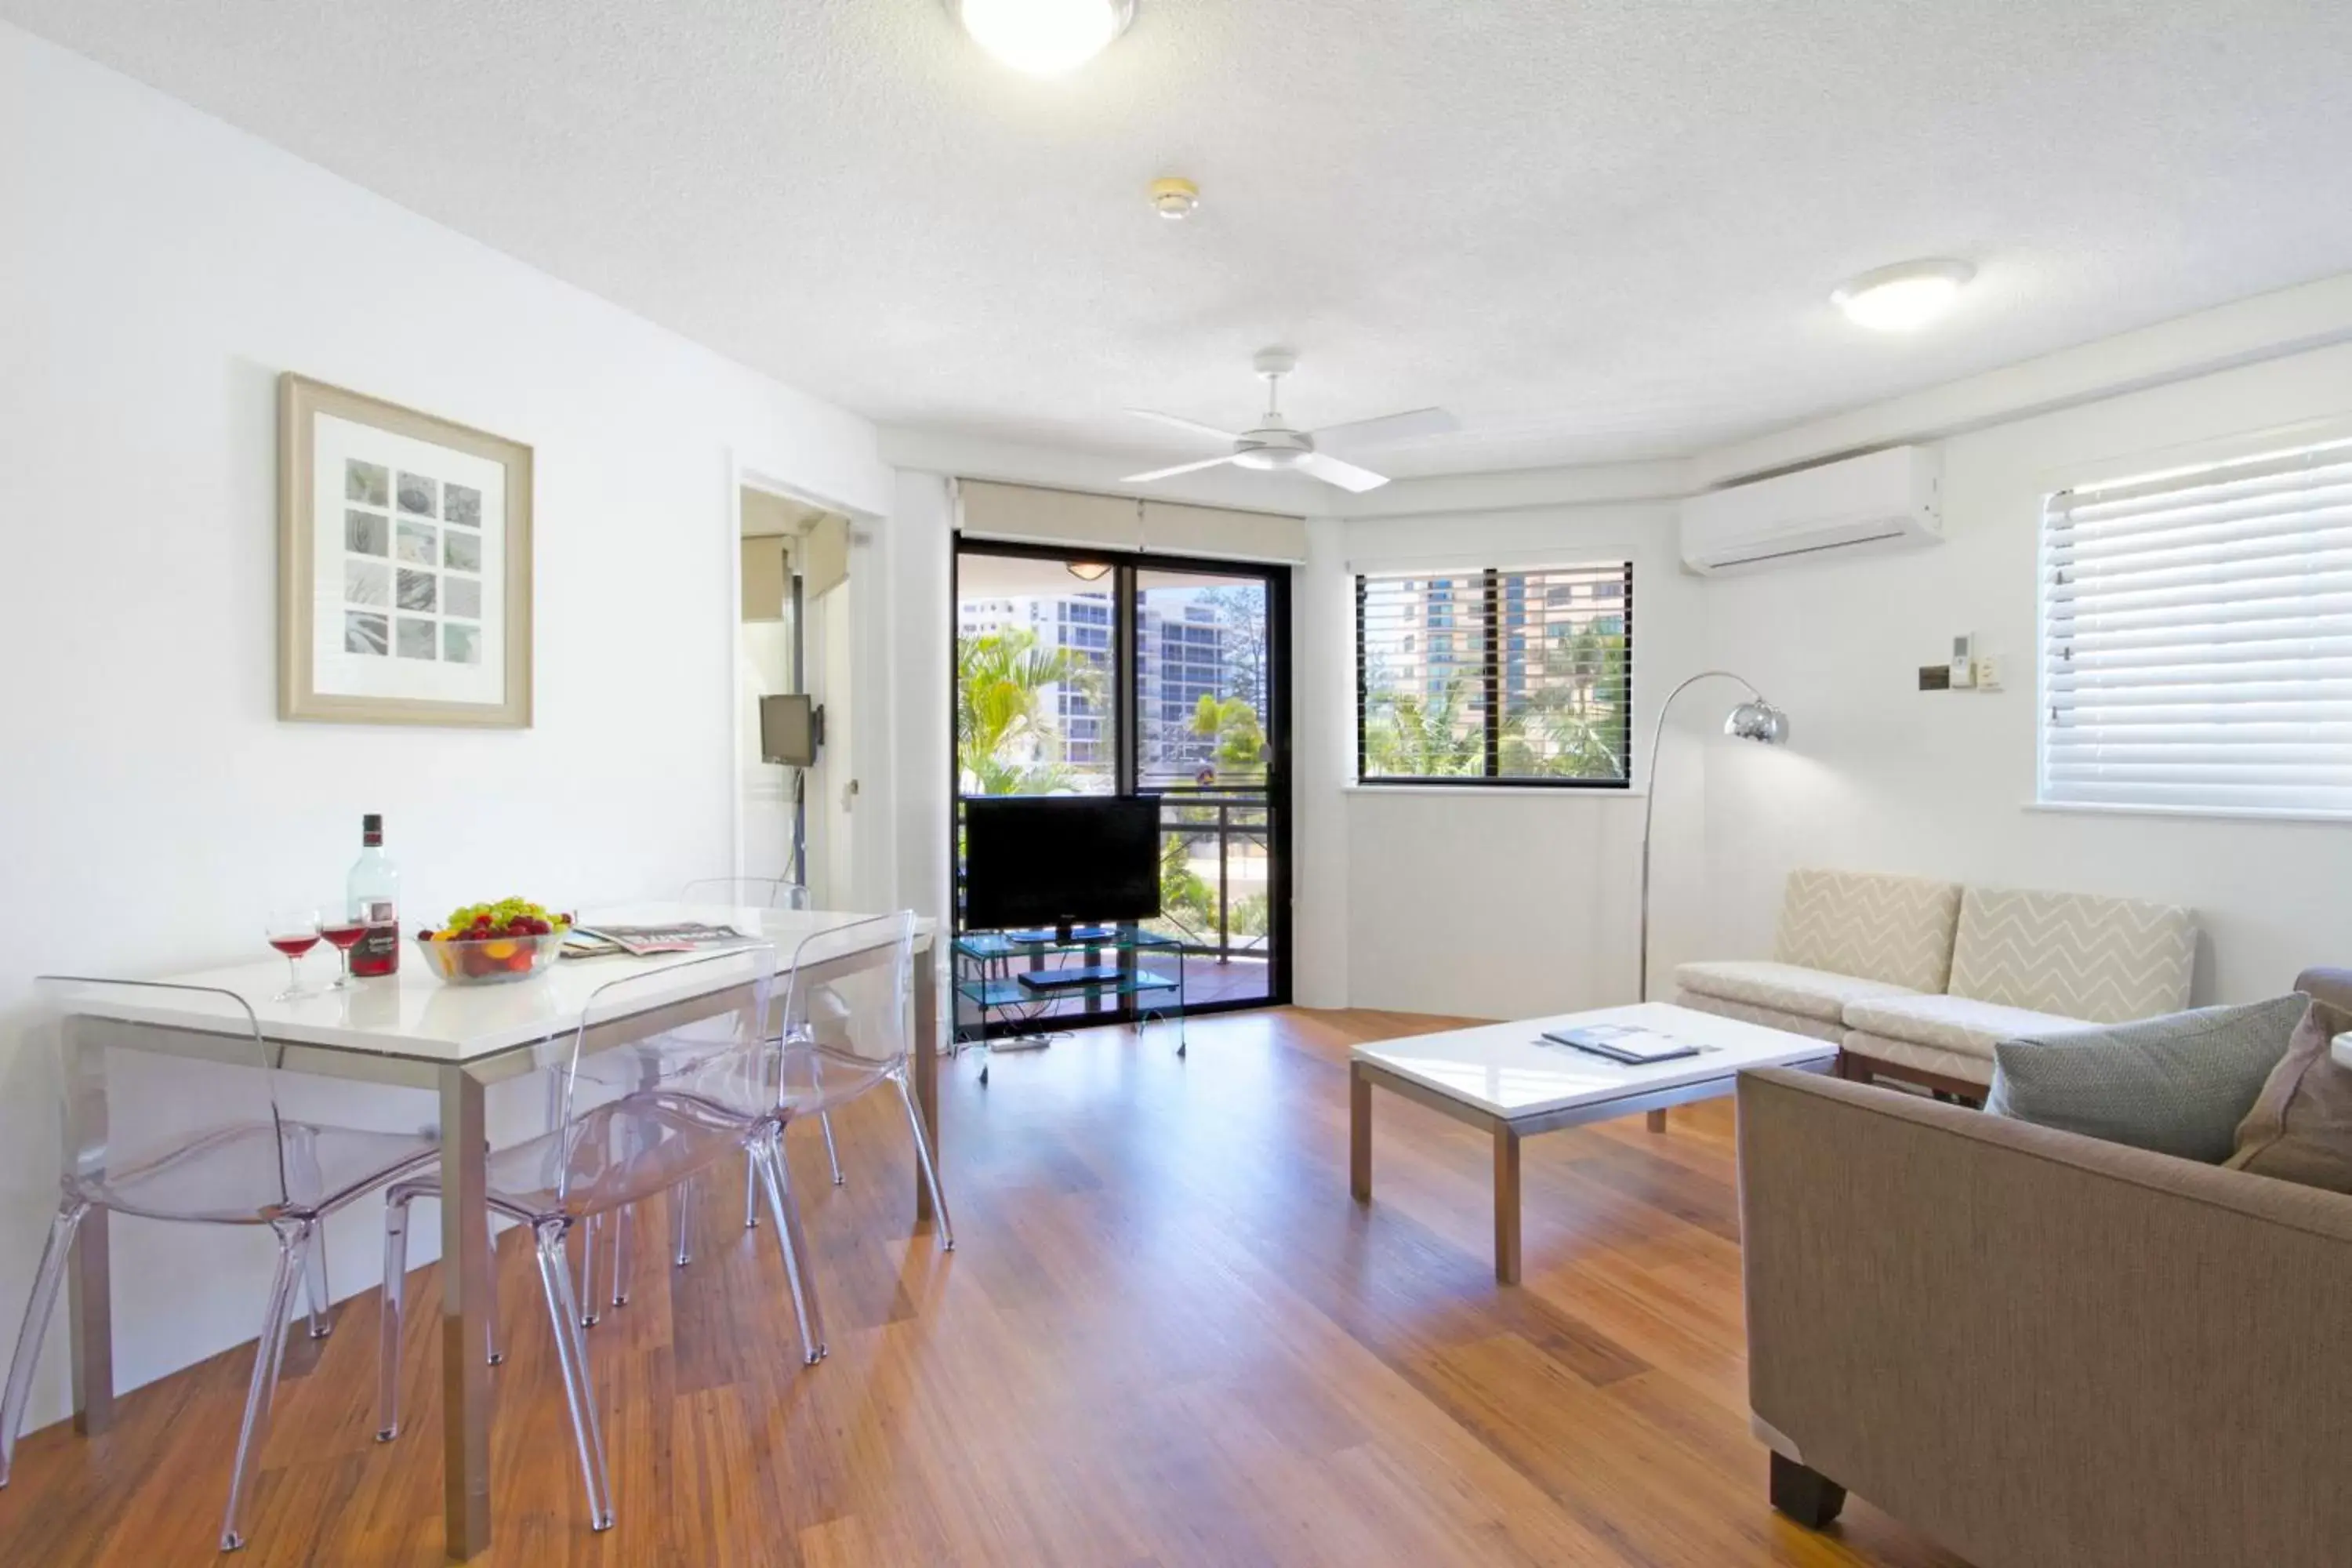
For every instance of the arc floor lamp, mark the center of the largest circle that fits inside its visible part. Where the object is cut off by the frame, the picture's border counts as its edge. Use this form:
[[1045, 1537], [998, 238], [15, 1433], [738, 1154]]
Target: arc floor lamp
[[1754, 720]]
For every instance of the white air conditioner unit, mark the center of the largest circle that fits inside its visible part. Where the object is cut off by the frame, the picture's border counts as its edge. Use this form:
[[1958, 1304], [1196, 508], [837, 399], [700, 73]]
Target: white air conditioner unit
[[1887, 501]]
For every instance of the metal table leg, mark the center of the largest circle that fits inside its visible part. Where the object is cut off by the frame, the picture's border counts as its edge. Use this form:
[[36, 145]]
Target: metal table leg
[[927, 1064], [1359, 1134], [1506, 1203], [465, 1315], [89, 1284]]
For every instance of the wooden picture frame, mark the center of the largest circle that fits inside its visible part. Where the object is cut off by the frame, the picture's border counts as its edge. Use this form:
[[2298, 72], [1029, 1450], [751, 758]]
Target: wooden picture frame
[[403, 565]]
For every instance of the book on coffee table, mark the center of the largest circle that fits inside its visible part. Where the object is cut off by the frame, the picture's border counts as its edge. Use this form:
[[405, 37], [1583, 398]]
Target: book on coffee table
[[1626, 1043]]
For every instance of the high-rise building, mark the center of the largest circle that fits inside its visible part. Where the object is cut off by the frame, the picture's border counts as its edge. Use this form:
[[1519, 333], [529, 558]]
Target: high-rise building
[[1080, 623], [1180, 648]]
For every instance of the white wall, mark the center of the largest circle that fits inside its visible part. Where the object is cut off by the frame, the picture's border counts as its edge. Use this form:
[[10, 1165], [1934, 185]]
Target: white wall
[[159, 269], [1494, 903], [1322, 724], [1885, 776], [917, 567]]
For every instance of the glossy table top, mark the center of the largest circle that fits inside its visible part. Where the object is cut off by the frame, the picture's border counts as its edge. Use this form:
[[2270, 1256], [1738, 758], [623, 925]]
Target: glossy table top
[[1501, 1068], [415, 1014]]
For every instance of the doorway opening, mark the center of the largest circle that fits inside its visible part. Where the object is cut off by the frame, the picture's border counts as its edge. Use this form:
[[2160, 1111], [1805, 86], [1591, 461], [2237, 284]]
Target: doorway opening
[[797, 718]]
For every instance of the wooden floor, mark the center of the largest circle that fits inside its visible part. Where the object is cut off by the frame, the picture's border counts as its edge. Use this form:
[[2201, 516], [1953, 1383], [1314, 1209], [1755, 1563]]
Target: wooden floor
[[1166, 1336]]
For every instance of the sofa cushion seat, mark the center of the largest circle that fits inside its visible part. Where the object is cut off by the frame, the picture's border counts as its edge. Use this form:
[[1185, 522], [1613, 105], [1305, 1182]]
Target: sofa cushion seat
[[1784, 987], [1893, 1055], [1959, 1024], [1769, 1017]]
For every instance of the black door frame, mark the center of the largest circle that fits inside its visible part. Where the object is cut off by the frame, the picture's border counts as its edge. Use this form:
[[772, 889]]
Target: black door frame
[[1125, 565]]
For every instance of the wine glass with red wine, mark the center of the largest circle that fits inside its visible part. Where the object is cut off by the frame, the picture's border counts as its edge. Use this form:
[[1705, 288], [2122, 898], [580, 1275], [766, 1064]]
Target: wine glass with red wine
[[292, 931], [342, 933]]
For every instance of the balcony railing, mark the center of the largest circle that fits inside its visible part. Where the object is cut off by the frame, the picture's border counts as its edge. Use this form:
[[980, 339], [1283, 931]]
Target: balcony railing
[[1216, 871]]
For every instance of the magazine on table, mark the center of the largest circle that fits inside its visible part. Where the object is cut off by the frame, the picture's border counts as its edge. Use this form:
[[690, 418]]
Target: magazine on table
[[641, 941], [1626, 1044]]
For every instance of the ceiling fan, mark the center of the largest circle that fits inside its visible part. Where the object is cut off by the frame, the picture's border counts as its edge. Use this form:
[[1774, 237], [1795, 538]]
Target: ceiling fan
[[1277, 443]]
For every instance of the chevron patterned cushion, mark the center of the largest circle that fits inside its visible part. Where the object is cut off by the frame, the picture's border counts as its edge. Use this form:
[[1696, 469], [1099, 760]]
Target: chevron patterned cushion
[[1960, 1024], [1897, 930], [1783, 987], [2074, 955], [2178, 1084]]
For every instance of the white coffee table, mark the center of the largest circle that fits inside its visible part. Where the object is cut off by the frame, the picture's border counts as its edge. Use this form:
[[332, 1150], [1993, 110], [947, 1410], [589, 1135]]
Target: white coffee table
[[1497, 1077]]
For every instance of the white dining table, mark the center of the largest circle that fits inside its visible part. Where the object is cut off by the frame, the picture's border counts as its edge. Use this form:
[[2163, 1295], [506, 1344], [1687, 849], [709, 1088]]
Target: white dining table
[[411, 1030]]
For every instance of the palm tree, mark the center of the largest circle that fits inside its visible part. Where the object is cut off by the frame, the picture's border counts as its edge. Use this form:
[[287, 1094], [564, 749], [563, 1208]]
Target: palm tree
[[1406, 736], [1240, 741], [1005, 742]]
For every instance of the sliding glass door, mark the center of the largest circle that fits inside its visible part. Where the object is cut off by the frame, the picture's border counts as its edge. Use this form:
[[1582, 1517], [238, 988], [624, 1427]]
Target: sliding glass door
[[1204, 718], [1107, 673]]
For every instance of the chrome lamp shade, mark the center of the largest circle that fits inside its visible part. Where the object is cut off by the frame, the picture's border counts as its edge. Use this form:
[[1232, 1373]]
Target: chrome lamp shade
[[1756, 719]]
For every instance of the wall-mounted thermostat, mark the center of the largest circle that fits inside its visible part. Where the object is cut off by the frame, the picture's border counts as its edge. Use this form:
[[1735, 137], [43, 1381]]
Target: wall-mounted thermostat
[[1964, 661]]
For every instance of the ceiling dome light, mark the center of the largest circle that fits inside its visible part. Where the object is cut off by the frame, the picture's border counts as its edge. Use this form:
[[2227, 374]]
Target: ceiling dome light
[[1044, 38], [1903, 296], [1268, 460]]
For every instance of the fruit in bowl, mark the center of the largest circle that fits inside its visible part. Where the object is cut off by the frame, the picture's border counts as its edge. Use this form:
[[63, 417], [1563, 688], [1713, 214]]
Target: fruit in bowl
[[483, 944]]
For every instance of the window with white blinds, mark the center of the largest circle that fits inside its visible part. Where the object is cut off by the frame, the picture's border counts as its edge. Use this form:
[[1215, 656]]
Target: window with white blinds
[[2197, 638], [1495, 676]]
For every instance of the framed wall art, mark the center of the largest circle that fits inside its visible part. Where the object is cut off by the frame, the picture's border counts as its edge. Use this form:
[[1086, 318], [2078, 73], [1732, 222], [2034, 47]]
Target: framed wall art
[[403, 565]]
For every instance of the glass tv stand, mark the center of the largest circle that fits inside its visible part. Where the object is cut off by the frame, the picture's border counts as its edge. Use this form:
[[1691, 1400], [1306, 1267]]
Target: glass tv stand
[[1102, 968]]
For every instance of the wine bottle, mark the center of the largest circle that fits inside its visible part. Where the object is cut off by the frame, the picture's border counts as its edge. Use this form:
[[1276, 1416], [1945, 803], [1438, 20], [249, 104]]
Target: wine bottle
[[373, 888]]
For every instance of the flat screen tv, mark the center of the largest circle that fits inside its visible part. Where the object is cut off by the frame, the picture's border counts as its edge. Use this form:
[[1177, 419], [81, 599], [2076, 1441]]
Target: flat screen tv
[[1059, 860]]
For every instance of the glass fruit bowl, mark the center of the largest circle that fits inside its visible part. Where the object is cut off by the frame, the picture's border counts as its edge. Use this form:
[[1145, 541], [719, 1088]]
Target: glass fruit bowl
[[494, 960]]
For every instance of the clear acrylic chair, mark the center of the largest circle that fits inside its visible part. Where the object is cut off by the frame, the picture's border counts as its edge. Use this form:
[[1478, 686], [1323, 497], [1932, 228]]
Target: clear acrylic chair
[[755, 892], [734, 892], [670, 1071], [847, 1035], [199, 1135]]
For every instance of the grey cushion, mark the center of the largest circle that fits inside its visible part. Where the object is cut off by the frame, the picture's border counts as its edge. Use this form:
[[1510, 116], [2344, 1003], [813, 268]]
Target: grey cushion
[[2179, 1084]]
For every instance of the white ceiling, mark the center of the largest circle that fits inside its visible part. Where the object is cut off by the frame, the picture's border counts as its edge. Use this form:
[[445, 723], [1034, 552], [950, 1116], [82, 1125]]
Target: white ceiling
[[1596, 230]]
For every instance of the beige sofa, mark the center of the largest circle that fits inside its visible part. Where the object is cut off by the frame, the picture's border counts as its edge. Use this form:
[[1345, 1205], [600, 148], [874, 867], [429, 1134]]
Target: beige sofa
[[2040, 1349], [1918, 979]]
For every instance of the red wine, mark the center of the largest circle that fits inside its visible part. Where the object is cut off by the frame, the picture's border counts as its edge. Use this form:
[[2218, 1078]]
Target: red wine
[[375, 892], [295, 946], [343, 936]]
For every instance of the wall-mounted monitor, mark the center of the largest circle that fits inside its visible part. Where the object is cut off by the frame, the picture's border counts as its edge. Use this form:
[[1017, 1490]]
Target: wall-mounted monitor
[[791, 728]]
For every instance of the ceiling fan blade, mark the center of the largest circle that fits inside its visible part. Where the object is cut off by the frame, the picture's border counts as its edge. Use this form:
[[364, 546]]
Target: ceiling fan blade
[[1390, 427], [1347, 476], [1179, 468], [1182, 423]]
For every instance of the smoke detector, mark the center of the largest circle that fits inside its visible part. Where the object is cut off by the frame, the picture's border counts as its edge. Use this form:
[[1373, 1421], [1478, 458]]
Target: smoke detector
[[1175, 199]]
